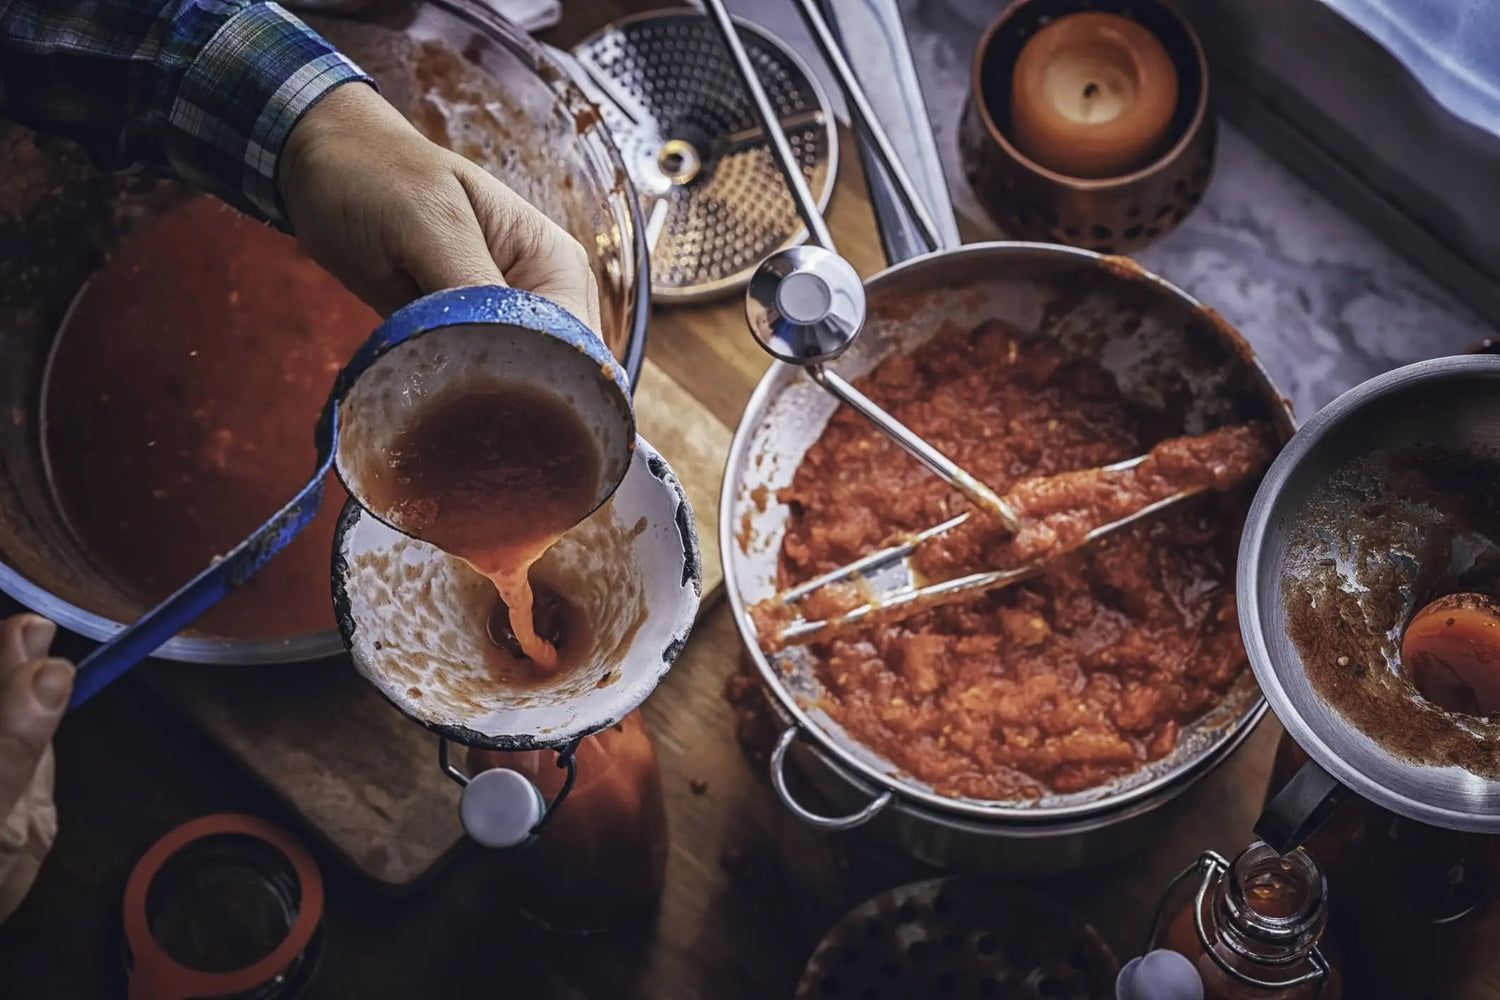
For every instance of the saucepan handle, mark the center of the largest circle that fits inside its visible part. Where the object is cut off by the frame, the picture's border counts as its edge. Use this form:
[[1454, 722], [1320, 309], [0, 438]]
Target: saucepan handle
[[1303, 805], [778, 782]]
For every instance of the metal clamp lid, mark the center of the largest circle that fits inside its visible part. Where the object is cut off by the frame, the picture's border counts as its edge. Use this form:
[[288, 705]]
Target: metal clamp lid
[[501, 808], [1159, 975], [1209, 868]]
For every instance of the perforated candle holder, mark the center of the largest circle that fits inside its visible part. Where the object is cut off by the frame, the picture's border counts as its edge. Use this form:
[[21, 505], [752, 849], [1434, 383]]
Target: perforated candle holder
[[1108, 215]]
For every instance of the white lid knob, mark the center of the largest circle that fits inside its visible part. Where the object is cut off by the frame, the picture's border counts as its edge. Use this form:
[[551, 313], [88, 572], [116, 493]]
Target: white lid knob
[[1159, 975], [500, 808]]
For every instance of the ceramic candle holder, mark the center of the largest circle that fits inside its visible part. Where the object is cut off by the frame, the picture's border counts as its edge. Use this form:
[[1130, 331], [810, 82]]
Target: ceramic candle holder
[[1110, 214]]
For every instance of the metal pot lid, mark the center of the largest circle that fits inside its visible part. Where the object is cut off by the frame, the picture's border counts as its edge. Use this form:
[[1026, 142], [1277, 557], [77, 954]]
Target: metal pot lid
[[1448, 403], [713, 200]]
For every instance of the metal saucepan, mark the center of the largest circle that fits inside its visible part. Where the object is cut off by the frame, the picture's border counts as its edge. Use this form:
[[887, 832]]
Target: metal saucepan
[[1168, 353], [1428, 410], [61, 217]]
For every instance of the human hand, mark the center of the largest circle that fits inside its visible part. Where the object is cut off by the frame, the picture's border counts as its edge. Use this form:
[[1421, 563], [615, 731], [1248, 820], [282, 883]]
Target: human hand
[[33, 696], [395, 216]]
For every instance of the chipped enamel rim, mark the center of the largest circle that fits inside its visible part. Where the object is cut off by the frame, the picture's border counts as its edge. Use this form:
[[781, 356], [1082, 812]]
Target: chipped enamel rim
[[625, 695], [477, 308]]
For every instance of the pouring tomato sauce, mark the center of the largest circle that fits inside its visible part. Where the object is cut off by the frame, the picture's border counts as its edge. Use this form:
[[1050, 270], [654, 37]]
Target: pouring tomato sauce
[[494, 474]]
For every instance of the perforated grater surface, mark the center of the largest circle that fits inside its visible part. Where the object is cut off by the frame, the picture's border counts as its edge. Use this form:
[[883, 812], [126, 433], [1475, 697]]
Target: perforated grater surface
[[947, 939], [714, 202]]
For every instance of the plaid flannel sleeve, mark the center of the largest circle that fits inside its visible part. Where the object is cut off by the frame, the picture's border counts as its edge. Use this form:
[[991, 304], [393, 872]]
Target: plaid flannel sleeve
[[205, 89]]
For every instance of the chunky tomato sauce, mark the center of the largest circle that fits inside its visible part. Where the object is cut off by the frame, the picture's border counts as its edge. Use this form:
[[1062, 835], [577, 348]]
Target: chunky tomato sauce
[[1078, 676], [181, 407]]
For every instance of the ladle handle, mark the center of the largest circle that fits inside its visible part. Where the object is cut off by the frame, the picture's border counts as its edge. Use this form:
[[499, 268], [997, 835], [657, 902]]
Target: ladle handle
[[1302, 806], [781, 149], [980, 495], [135, 642]]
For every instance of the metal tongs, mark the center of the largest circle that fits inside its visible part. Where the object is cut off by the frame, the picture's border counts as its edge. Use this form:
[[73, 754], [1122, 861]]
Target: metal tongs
[[889, 579], [806, 304]]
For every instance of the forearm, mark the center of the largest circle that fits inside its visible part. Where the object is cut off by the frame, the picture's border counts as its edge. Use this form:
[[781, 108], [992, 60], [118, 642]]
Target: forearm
[[205, 89]]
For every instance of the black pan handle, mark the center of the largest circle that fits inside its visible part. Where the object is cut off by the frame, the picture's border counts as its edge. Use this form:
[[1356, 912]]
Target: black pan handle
[[1303, 805]]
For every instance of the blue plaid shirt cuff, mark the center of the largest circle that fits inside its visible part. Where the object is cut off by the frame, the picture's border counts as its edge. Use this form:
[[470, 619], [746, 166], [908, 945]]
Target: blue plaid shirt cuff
[[239, 99]]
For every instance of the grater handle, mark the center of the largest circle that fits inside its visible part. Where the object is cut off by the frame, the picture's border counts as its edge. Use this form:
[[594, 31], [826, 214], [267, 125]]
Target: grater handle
[[781, 149]]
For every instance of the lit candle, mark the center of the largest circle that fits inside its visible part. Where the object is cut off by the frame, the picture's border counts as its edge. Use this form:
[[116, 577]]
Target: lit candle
[[1092, 96]]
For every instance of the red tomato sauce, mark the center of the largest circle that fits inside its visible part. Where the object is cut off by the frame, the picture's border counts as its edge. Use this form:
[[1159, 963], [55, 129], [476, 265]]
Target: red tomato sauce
[[181, 407], [1070, 680]]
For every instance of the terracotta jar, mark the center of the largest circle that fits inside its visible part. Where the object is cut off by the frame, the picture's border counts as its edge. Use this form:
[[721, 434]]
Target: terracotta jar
[[600, 858], [1414, 908]]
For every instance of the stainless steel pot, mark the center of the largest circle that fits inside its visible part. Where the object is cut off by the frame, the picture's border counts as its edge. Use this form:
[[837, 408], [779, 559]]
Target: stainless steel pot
[[1428, 411], [1168, 353], [59, 218]]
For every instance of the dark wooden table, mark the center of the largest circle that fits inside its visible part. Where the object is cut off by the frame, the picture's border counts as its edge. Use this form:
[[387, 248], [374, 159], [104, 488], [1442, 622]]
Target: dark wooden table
[[749, 890]]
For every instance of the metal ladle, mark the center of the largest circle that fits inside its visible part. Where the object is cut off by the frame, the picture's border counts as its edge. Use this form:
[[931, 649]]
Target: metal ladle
[[805, 305]]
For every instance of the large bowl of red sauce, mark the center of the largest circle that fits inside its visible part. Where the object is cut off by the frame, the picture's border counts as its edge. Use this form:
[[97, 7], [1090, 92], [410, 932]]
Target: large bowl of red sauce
[[166, 357], [1021, 731]]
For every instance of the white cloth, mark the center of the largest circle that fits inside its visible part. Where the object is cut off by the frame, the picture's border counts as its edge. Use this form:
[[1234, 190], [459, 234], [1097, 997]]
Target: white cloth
[[533, 15]]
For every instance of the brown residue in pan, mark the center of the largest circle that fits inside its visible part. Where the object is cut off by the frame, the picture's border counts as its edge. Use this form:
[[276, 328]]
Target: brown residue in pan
[[1379, 539]]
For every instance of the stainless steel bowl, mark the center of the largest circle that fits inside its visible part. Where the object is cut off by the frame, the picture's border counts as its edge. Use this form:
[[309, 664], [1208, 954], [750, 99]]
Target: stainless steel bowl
[[1168, 353], [60, 218], [1447, 403]]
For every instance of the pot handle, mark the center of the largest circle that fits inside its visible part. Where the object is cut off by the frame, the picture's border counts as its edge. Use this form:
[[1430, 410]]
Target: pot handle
[[1302, 806], [778, 782]]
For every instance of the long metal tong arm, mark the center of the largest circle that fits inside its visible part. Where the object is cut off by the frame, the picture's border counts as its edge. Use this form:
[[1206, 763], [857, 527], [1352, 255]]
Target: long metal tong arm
[[978, 494], [807, 205], [891, 554], [905, 604]]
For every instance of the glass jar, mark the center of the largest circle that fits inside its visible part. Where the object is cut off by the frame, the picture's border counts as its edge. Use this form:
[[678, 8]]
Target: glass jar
[[599, 858], [1251, 930], [1415, 907]]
